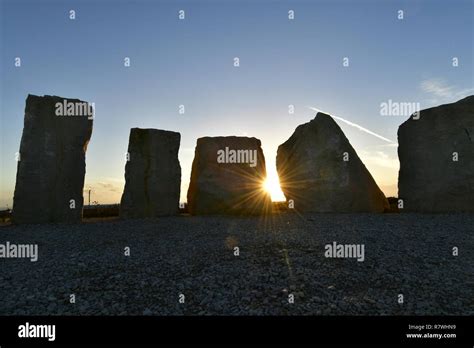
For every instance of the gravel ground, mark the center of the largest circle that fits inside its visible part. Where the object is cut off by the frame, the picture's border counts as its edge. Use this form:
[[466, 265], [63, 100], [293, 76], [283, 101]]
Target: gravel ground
[[409, 254]]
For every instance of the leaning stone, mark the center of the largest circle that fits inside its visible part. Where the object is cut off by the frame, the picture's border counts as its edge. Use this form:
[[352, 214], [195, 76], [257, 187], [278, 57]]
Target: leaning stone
[[315, 177]]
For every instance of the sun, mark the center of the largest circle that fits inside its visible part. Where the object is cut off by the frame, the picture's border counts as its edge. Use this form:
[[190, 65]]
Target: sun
[[272, 186], [267, 186]]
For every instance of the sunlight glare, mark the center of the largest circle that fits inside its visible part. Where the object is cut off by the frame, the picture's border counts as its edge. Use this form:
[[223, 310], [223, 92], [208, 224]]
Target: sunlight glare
[[272, 186]]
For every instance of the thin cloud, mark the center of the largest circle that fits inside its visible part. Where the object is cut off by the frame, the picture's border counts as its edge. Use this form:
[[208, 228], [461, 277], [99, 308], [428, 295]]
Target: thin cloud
[[379, 158], [352, 124], [440, 90], [388, 145], [102, 186]]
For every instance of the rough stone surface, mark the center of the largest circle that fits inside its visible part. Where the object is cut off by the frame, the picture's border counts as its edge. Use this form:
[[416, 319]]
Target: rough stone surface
[[52, 163], [152, 174], [315, 176], [429, 180], [227, 188]]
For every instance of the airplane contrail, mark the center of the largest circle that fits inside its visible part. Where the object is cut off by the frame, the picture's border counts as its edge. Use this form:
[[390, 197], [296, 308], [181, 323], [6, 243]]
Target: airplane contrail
[[354, 125]]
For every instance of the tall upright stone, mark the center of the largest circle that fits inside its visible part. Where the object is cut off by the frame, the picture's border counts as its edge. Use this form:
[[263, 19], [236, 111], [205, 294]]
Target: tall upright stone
[[227, 177], [436, 152], [320, 171], [51, 166], [152, 174]]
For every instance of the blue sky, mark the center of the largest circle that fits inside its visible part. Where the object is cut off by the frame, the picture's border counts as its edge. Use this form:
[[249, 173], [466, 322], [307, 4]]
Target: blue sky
[[190, 62]]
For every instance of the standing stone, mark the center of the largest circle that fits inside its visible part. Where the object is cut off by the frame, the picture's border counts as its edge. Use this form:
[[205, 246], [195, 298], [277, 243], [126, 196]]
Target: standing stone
[[436, 155], [227, 177], [51, 169], [315, 176], [152, 174]]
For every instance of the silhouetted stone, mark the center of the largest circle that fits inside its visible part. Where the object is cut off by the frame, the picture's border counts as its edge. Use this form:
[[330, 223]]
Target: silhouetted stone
[[430, 178], [152, 174], [314, 175], [50, 174], [227, 177]]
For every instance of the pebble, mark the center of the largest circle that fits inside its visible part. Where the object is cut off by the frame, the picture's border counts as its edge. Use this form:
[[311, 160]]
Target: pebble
[[405, 253]]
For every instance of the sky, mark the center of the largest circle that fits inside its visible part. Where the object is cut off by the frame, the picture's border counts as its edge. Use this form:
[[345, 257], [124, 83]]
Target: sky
[[190, 62]]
